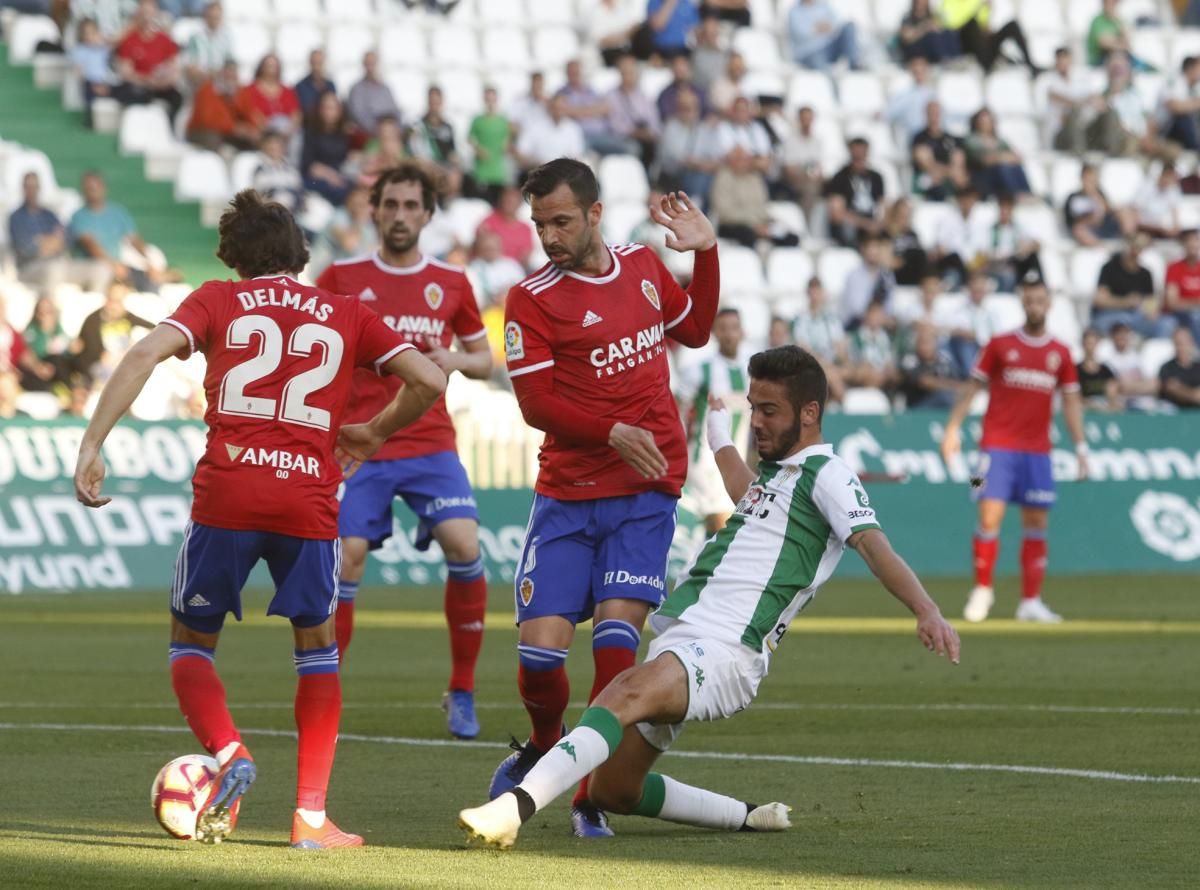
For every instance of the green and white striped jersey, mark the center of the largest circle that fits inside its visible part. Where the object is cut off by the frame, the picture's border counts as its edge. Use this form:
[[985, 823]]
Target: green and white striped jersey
[[729, 380], [783, 542]]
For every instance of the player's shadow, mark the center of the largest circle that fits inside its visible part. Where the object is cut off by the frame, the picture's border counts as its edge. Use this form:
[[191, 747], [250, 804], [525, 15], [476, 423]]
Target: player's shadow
[[96, 837]]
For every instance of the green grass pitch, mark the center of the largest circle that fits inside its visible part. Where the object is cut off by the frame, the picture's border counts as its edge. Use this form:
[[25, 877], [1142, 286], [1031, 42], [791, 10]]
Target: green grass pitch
[[875, 743]]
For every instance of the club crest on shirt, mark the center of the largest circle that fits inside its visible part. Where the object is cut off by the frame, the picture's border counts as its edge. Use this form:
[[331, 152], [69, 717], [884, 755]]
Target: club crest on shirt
[[1053, 362], [526, 591], [651, 294], [514, 342], [434, 295]]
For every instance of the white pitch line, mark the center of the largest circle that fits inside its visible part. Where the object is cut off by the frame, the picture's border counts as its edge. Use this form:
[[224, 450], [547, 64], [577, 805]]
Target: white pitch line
[[950, 707], [1062, 772]]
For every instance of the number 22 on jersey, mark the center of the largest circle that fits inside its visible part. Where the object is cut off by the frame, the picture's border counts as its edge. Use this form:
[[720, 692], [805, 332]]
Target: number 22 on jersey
[[292, 407]]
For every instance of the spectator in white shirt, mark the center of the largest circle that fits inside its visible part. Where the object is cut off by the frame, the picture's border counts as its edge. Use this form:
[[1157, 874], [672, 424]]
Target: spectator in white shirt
[[209, 48], [906, 110], [802, 162], [554, 136], [491, 272], [687, 153], [610, 25], [1010, 250], [873, 283], [1123, 129], [1157, 203], [819, 330], [532, 106], [1071, 103], [969, 325], [957, 243], [744, 132], [631, 113], [730, 86], [1179, 106]]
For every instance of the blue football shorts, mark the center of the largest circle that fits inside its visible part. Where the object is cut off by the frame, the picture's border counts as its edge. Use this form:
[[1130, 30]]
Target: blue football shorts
[[214, 563], [1018, 477], [580, 553], [434, 486]]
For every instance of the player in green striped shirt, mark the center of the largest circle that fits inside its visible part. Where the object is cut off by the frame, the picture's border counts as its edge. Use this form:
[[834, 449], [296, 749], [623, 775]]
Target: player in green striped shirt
[[719, 627]]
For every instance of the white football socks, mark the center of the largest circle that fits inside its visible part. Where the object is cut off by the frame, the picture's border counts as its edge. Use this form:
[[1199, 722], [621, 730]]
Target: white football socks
[[312, 818], [695, 806], [226, 753], [577, 753]]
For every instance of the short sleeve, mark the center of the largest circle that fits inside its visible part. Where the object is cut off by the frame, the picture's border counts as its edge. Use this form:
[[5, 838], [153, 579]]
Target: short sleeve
[[1068, 374], [377, 343], [197, 315], [841, 499], [526, 335], [987, 364], [467, 323]]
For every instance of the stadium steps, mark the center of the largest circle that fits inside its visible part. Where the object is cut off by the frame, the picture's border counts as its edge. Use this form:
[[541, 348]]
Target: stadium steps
[[36, 118]]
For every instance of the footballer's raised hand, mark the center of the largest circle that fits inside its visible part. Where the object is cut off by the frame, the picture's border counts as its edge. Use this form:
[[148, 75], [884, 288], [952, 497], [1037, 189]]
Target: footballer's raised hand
[[718, 425], [636, 447], [89, 477], [356, 443], [687, 228], [951, 443], [937, 635]]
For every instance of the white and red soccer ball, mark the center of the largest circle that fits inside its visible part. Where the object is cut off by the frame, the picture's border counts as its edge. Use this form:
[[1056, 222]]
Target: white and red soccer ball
[[179, 790]]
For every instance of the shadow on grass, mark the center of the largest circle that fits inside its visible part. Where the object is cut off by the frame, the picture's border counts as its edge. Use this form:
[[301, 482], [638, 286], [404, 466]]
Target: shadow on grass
[[91, 836]]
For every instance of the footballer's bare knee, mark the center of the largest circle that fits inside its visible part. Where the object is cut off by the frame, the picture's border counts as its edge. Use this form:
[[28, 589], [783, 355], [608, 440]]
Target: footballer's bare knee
[[459, 539], [354, 558], [181, 633]]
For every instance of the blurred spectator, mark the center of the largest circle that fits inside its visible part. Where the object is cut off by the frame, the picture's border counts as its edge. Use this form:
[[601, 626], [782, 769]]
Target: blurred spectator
[[957, 246], [491, 272], [971, 19], [632, 115], [744, 132], [819, 330], [111, 16], [1088, 215], [102, 231], [147, 62], [10, 391], [1137, 389], [1108, 36], [968, 325], [1122, 128], [352, 231], [1010, 250], [1097, 383], [92, 58], [50, 345], [819, 37], [215, 121], [1125, 292], [1178, 111], [275, 176], [668, 99], [107, 334], [555, 135], [908, 109], [489, 135], [39, 242], [385, 150], [731, 85], [1157, 204], [437, 7], [709, 55], [326, 151], [871, 284], [872, 356], [432, 137], [909, 314], [266, 103], [688, 155], [855, 197], [1182, 299], [922, 36], [590, 110], [909, 258], [532, 107], [371, 98], [779, 332], [210, 48], [670, 24], [1071, 103], [77, 400], [735, 11], [993, 165], [315, 83], [17, 357], [739, 202], [516, 237], [183, 8], [649, 232], [802, 163], [930, 378], [610, 26], [1180, 377], [939, 162]]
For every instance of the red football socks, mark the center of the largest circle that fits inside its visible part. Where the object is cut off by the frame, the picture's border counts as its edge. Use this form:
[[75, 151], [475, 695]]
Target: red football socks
[[343, 625], [465, 605], [545, 694], [1033, 566], [986, 550], [318, 712], [609, 662], [201, 696]]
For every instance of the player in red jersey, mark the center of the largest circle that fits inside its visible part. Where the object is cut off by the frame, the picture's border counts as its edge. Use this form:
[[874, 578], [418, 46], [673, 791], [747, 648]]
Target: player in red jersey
[[1022, 369], [584, 341], [429, 304], [280, 356]]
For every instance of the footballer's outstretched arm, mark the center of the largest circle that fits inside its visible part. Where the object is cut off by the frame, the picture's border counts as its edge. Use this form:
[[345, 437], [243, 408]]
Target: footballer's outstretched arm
[[473, 359], [735, 472], [689, 229], [123, 387], [893, 572], [1073, 415], [951, 439]]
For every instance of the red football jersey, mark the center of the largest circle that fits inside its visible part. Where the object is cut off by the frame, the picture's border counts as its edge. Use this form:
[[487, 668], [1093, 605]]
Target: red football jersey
[[1186, 277], [428, 304], [1023, 372], [280, 359], [602, 339]]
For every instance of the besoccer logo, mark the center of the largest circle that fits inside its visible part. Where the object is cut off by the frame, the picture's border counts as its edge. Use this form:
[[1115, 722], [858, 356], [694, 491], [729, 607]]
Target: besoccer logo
[[434, 296], [651, 294]]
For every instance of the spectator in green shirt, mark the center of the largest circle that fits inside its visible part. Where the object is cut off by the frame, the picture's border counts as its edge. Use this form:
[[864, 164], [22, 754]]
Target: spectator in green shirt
[[1109, 34], [490, 134]]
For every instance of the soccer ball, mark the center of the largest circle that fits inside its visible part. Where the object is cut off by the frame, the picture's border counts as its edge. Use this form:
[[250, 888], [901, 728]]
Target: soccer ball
[[179, 790]]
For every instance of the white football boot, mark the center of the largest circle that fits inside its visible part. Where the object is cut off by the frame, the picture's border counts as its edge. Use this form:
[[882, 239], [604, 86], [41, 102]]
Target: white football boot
[[496, 823], [1037, 611], [979, 603], [769, 817]]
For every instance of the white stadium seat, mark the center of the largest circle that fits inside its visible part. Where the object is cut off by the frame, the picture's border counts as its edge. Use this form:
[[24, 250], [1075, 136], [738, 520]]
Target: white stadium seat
[[1041, 16], [1063, 322], [241, 171], [755, 316], [1086, 263], [1064, 180], [960, 92], [1008, 92], [620, 218], [202, 177], [500, 12], [250, 11], [26, 32], [1120, 179], [788, 271], [550, 12], [834, 265], [1155, 353], [462, 90], [1186, 42], [309, 10], [402, 45], [410, 87], [347, 44], [453, 47], [251, 41], [28, 160], [741, 270], [358, 10], [760, 47], [145, 129], [789, 215], [865, 400], [623, 178], [1153, 46], [555, 45], [927, 218], [1005, 311], [814, 89], [882, 140], [1054, 269], [505, 46], [860, 94], [295, 41]]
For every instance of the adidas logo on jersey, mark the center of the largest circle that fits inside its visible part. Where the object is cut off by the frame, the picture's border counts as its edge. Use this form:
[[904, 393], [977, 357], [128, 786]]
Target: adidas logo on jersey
[[367, 295], [198, 601], [591, 318]]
